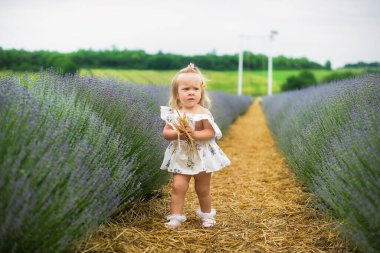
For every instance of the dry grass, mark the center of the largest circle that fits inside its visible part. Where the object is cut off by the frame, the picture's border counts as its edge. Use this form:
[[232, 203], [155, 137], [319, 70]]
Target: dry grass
[[182, 127], [260, 207]]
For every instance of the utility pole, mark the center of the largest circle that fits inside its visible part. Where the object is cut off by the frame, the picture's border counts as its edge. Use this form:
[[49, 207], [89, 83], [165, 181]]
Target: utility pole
[[270, 63], [240, 69], [270, 67]]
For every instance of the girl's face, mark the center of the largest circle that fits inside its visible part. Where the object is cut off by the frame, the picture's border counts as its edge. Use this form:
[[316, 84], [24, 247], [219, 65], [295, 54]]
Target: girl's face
[[189, 90]]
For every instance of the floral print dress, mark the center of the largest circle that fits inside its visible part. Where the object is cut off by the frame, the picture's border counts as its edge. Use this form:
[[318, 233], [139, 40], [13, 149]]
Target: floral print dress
[[177, 159]]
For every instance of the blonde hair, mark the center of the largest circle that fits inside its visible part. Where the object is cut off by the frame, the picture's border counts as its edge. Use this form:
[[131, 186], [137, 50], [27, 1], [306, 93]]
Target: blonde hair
[[191, 68]]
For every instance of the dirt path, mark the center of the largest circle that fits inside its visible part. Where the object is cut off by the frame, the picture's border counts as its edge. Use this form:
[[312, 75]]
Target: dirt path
[[260, 207]]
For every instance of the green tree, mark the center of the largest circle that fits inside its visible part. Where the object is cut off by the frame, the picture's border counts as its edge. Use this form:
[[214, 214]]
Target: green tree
[[328, 65], [65, 65], [336, 76], [14, 59], [303, 80]]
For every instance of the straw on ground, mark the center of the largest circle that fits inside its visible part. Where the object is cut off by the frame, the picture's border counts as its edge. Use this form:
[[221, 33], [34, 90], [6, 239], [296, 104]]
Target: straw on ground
[[261, 207]]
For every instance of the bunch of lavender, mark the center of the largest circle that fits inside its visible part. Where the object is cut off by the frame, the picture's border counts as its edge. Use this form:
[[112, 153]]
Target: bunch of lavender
[[127, 109], [330, 135], [53, 151]]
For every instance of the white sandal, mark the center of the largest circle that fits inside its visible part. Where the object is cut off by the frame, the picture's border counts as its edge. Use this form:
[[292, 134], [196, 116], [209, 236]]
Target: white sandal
[[208, 219], [175, 221]]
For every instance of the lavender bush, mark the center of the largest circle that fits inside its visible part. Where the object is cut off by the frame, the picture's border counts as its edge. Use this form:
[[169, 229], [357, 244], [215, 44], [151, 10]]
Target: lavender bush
[[330, 134], [72, 150]]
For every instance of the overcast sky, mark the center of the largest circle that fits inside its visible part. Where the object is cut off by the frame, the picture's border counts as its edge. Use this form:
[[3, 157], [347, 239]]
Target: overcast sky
[[342, 31]]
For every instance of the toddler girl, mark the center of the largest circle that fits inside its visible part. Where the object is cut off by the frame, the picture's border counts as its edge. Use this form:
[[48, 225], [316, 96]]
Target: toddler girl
[[199, 157]]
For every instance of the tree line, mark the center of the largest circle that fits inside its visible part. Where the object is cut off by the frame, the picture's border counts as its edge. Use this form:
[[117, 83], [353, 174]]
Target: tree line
[[22, 60], [371, 65]]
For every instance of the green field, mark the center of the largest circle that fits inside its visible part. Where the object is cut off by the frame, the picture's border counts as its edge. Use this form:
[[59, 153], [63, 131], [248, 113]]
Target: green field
[[254, 82]]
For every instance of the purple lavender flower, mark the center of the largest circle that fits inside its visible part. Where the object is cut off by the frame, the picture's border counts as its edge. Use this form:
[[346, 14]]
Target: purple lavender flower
[[331, 137]]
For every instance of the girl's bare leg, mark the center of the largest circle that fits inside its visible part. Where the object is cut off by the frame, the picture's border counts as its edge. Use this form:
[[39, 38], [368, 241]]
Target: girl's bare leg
[[202, 188], [179, 189]]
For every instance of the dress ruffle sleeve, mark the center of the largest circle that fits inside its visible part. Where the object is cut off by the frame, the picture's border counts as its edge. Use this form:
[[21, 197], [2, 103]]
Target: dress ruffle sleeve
[[167, 115], [210, 118]]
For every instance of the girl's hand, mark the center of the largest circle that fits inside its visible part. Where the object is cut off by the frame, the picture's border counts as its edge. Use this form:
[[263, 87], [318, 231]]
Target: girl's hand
[[182, 136], [190, 131]]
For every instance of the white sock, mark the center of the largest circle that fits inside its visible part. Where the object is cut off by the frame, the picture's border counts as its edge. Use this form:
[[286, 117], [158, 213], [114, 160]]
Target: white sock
[[208, 219]]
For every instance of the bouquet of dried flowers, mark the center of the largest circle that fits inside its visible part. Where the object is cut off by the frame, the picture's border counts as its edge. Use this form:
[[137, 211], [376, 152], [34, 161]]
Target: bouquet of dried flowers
[[181, 126]]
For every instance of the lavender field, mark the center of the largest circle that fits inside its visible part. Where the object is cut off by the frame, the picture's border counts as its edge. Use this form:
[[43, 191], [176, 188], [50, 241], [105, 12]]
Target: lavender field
[[74, 149], [330, 134]]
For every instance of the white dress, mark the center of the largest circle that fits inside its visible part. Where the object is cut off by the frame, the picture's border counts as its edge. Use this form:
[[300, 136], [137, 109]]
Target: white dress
[[210, 157]]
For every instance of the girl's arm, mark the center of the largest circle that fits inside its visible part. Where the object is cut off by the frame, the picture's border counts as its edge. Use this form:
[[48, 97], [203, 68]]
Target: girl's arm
[[170, 133], [207, 133]]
